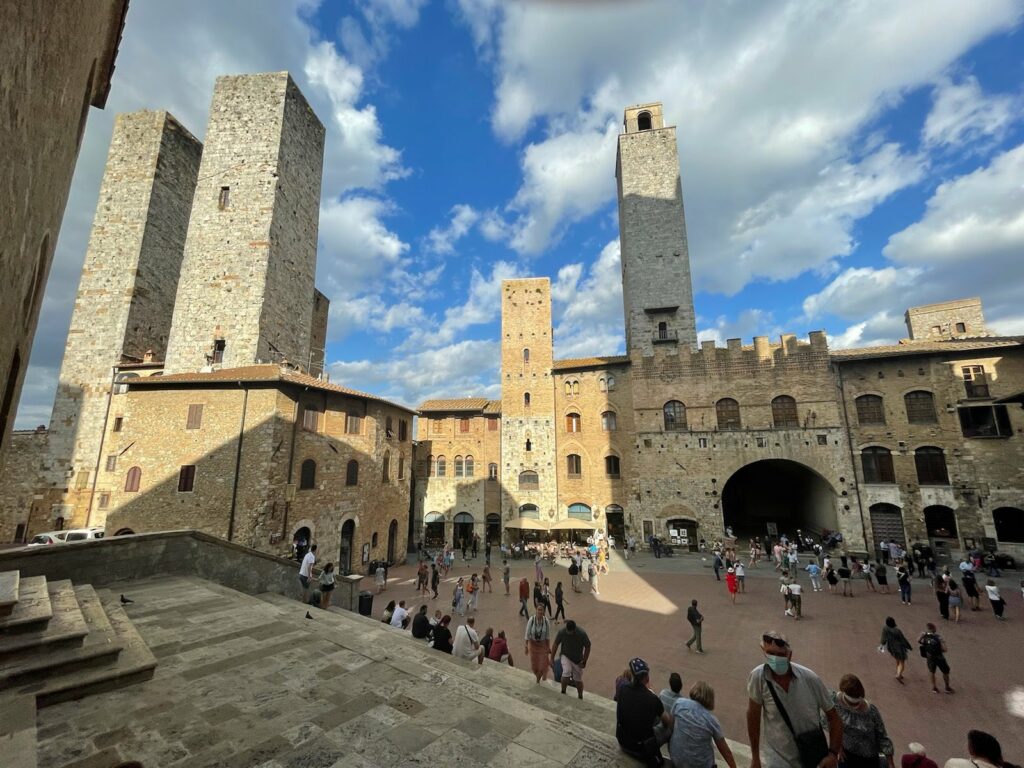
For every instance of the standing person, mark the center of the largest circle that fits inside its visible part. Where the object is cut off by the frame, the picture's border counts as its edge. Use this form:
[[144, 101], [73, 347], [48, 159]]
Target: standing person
[[486, 585], [868, 573], [696, 619], [442, 635], [421, 578], [538, 643], [545, 597], [592, 577], [696, 732], [971, 589], [459, 597], [379, 578], [741, 576], [903, 580], [998, 604], [731, 584], [506, 575], [435, 580], [326, 585], [796, 600], [538, 568], [814, 571], [896, 644], [575, 646], [574, 573], [864, 734], [524, 597], [754, 551], [473, 590], [844, 576], [717, 565], [882, 577], [637, 709], [955, 600], [306, 571], [779, 686], [784, 582], [467, 641], [933, 648], [830, 578], [942, 596], [559, 601], [476, 544]]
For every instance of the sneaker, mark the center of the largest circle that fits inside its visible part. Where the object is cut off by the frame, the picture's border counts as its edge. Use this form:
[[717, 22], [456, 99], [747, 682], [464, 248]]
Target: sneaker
[[935, 690], [948, 690]]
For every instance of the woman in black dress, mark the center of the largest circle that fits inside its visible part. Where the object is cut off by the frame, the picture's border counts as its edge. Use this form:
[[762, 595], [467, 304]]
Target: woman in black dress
[[882, 577], [942, 596], [443, 636], [896, 645]]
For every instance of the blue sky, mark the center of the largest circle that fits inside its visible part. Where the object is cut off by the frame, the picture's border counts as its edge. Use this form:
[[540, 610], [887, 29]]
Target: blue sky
[[839, 163]]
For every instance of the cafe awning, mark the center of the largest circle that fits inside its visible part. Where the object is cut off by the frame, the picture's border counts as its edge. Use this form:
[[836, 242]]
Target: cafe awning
[[572, 525], [526, 523]]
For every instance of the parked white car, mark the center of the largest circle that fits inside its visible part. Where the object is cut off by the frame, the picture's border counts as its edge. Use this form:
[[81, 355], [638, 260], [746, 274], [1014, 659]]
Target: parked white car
[[51, 537], [83, 534]]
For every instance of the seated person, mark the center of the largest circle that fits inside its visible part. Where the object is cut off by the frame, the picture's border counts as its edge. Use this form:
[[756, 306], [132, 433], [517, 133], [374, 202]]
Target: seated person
[[637, 709]]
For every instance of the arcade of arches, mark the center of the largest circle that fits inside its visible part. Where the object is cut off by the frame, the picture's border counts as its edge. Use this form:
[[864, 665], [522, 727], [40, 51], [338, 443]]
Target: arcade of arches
[[778, 491]]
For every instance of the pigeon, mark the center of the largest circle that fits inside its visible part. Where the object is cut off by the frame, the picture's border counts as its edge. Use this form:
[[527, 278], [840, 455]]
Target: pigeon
[[308, 616], [125, 600]]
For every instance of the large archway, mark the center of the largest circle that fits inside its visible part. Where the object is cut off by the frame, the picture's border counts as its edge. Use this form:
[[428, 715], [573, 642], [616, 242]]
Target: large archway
[[494, 528], [1009, 522], [781, 492], [433, 530], [462, 530]]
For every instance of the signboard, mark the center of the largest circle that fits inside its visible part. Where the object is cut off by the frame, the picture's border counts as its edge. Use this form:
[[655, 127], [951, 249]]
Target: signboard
[[773, 529]]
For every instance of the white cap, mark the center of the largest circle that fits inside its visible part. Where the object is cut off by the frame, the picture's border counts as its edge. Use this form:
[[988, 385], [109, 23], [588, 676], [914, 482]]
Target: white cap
[[917, 749]]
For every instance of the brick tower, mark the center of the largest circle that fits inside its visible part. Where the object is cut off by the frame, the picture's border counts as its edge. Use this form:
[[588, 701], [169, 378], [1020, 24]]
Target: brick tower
[[126, 293], [527, 398], [246, 290], [656, 287]]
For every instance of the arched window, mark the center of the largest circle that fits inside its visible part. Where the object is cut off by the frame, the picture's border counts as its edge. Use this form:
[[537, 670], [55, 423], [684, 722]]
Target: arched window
[[307, 475], [388, 423], [574, 465], [568, 387], [526, 399], [920, 407], [608, 421], [530, 511], [401, 467], [611, 383], [575, 387], [931, 466], [675, 415], [442, 466], [492, 471], [385, 467], [526, 355], [784, 412], [529, 445], [611, 466], [728, 412], [602, 384], [870, 409], [528, 481], [132, 480], [352, 472], [579, 511], [469, 466], [877, 463], [459, 467], [572, 422], [643, 121]]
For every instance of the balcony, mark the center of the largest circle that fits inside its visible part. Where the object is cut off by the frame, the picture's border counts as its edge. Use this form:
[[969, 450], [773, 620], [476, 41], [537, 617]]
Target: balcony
[[666, 337]]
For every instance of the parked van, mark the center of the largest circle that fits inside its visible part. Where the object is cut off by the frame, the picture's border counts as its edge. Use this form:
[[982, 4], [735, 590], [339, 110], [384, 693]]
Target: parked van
[[83, 534]]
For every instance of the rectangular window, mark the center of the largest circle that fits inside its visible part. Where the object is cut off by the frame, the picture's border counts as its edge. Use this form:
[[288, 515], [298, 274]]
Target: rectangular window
[[310, 419], [492, 424], [702, 442], [463, 424], [224, 198], [822, 439], [961, 328], [218, 351], [118, 423], [401, 467], [353, 424], [186, 478], [761, 442], [975, 382], [195, 416], [104, 500], [492, 471], [985, 421], [403, 430], [112, 462], [438, 425]]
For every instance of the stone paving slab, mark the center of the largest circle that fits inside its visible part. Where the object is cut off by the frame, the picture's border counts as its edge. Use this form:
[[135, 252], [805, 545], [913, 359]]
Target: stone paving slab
[[66, 626], [32, 609], [9, 581]]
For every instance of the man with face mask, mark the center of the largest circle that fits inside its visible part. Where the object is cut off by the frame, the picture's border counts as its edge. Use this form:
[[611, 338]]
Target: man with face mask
[[784, 706]]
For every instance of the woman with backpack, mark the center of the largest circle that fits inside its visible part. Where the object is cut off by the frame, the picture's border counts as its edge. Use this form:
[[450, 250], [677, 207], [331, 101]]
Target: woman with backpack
[[896, 644]]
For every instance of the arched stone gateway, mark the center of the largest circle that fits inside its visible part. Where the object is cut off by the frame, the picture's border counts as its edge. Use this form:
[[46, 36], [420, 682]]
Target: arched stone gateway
[[433, 530], [786, 493]]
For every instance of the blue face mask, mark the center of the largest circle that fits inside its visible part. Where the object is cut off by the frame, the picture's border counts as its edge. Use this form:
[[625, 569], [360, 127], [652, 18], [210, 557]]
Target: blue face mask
[[778, 664]]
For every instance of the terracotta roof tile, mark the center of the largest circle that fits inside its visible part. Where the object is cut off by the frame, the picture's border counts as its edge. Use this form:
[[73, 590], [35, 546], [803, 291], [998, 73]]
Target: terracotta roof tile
[[925, 348], [493, 408], [455, 404], [270, 373], [589, 362]]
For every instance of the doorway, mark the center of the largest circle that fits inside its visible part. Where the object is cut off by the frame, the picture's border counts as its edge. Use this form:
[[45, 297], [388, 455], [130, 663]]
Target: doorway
[[616, 523], [463, 530], [301, 540], [392, 541], [494, 528], [433, 530], [348, 533], [887, 524]]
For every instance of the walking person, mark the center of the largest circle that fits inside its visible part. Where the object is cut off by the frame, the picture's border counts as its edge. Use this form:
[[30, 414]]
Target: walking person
[[796, 600], [559, 601], [895, 643], [473, 592], [486, 579], [995, 599], [882, 578], [524, 597], [903, 575], [435, 580], [379, 578], [592, 576], [574, 574], [506, 575], [538, 568], [696, 732], [955, 600], [327, 584], [864, 734], [575, 646], [933, 649], [459, 597], [717, 565], [844, 576], [731, 584], [942, 596], [741, 576], [970, 582], [306, 571], [696, 619], [545, 597], [538, 643], [814, 571]]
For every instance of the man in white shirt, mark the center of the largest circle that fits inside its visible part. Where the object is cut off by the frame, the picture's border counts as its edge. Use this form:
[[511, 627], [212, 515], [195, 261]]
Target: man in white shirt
[[984, 751], [306, 571], [400, 616], [467, 641]]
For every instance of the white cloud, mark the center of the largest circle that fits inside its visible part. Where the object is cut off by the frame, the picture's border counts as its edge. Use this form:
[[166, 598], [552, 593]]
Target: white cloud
[[880, 328], [962, 114], [442, 240], [749, 323], [860, 291], [367, 41], [589, 312]]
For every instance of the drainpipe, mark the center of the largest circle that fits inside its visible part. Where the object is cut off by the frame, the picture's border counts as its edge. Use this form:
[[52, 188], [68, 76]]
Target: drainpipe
[[99, 455], [238, 462], [853, 457], [291, 467]]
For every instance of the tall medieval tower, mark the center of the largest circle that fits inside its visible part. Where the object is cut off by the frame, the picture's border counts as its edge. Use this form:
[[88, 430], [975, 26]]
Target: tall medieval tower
[[527, 400], [246, 292], [126, 293], [656, 288]]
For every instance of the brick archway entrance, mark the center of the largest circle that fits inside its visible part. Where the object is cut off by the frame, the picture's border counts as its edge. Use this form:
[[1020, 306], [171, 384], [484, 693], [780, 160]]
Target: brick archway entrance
[[787, 493]]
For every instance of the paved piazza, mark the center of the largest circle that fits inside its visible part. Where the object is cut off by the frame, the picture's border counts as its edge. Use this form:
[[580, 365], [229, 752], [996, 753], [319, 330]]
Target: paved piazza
[[641, 611]]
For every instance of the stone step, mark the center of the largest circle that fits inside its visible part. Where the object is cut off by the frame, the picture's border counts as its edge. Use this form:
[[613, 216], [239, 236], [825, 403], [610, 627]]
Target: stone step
[[100, 647], [8, 591], [32, 609], [18, 731], [66, 628], [133, 664]]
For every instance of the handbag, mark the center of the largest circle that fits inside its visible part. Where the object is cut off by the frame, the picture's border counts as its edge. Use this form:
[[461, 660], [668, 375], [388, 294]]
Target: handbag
[[811, 745]]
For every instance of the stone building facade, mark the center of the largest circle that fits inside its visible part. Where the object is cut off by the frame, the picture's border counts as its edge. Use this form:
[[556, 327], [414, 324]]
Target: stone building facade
[[56, 62], [760, 439]]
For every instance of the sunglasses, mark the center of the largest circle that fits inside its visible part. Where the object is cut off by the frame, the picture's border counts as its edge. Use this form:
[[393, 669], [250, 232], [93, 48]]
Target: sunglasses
[[769, 640]]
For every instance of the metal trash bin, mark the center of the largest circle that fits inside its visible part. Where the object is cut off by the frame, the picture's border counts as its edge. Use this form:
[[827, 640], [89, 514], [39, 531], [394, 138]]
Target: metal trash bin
[[365, 603]]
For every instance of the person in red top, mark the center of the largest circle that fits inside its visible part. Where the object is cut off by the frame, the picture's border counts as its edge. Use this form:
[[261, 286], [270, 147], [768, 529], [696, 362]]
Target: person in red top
[[499, 649], [524, 597], [731, 583]]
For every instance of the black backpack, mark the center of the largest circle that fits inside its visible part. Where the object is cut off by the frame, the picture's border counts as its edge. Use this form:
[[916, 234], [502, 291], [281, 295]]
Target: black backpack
[[573, 570], [931, 646]]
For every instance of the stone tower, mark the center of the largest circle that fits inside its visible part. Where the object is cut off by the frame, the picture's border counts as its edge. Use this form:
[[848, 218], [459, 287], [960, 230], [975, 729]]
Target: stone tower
[[527, 397], [246, 290], [126, 293], [656, 287]]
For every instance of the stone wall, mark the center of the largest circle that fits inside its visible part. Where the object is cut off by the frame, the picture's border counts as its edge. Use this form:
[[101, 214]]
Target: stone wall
[[944, 320], [250, 254], [19, 468], [55, 62], [318, 333]]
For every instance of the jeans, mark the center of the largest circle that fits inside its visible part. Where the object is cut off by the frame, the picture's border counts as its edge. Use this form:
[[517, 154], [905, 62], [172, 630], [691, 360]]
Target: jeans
[[523, 611], [696, 637], [905, 591]]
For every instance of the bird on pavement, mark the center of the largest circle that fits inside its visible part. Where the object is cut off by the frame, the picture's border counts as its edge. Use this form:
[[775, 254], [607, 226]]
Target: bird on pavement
[[125, 600], [308, 616]]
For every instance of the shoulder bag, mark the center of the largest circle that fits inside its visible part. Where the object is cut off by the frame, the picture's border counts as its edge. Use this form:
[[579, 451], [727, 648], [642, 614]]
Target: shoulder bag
[[811, 745]]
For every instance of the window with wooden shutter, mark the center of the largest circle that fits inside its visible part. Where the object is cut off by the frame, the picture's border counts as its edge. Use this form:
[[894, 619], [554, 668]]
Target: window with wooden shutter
[[132, 480], [195, 416], [931, 466], [574, 465], [352, 473], [877, 464], [728, 412]]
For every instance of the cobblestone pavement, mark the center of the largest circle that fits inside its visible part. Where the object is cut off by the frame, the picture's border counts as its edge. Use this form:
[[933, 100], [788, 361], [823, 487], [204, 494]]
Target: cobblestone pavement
[[641, 611]]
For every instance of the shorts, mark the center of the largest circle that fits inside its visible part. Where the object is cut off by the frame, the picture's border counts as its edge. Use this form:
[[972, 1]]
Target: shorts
[[327, 587], [304, 581], [940, 664], [572, 670]]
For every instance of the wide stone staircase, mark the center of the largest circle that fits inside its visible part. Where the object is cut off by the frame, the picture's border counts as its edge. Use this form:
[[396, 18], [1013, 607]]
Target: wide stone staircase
[[58, 642]]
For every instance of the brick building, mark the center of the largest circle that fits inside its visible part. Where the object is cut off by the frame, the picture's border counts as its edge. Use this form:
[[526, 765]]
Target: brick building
[[920, 441]]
